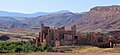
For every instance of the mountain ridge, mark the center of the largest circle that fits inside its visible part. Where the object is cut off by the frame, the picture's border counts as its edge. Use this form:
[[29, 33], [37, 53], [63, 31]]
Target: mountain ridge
[[101, 17], [17, 14], [98, 18]]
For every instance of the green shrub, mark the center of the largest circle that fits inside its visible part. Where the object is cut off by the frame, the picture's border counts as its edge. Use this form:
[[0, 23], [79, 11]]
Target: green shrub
[[10, 47]]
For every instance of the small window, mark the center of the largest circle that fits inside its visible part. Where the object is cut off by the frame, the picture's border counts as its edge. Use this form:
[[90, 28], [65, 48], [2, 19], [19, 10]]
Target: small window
[[100, 39], [38, 40], [75, 37]]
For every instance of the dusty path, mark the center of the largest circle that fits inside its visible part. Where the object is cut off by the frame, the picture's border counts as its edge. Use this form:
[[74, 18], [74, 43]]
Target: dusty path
[[39, 53]]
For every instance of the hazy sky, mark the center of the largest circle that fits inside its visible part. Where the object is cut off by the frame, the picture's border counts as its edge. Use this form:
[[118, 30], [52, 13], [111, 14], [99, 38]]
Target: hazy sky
[[32, 6]]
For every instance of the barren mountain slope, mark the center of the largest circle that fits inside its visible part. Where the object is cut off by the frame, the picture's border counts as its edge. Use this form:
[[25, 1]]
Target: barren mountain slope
[[55, 19], [107, 17]]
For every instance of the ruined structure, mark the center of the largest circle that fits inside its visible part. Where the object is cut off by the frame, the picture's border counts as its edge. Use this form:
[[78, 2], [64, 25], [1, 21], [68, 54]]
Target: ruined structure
[[62, 37]]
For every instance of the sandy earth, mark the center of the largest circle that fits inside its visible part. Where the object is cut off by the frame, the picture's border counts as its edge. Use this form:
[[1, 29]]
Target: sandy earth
[[39, 53]]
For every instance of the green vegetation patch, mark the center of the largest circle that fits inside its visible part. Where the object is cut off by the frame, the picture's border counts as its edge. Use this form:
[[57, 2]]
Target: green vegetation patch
[[11, 47]]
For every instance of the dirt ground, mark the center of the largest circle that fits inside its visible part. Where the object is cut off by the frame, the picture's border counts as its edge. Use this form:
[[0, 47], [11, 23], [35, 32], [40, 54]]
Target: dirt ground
[[42, 53], [82, 50]]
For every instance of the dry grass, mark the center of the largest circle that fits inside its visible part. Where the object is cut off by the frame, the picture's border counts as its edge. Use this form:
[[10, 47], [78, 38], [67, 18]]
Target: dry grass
[[12, 36], [53, 53], [80, 50], [90, 49]]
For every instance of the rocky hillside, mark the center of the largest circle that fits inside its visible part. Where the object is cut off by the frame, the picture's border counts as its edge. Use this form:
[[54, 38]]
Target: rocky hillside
[[102, 17], [56, 19], [12, 22], [98, 18]]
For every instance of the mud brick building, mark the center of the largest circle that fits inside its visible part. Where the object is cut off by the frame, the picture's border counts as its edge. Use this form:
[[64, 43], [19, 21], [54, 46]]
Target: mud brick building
[[56, 37], [62, 37]]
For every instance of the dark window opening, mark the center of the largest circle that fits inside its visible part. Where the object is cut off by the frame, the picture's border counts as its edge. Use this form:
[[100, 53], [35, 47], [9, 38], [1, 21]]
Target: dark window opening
[[62, 36], [75, 37], [38, 40], [100, 39]]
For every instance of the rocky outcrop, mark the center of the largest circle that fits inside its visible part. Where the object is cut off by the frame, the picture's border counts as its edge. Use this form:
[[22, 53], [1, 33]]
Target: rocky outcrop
[[106, 8], [107, 17], [4, 38]]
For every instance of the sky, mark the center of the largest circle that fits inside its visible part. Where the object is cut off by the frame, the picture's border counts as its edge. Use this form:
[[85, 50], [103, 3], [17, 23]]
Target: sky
[[32, 6]]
